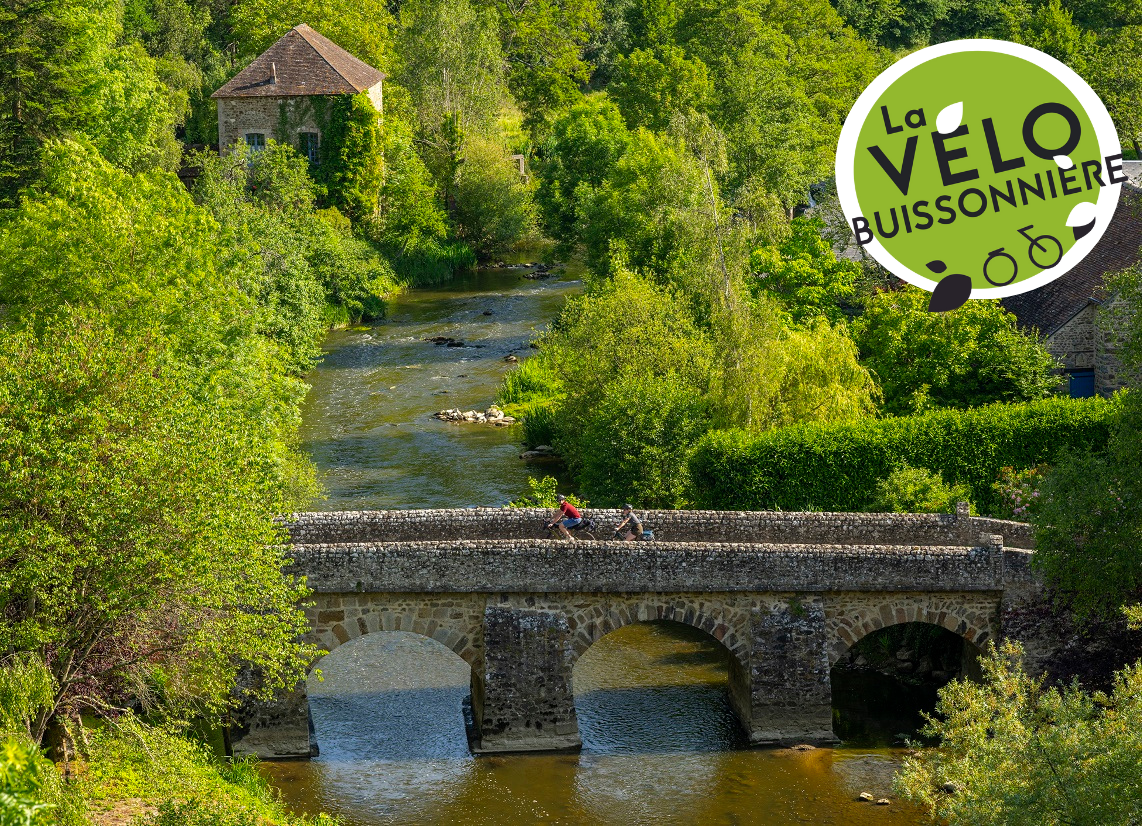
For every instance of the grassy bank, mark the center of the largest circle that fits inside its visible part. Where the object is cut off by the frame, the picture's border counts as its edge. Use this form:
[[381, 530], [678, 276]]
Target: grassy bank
[[132, 773]]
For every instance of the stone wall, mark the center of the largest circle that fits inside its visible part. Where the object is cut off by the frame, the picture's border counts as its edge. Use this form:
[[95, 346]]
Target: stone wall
[[1073, 343], [1093, 340], [537, 566], [671, 526], [268, 115]]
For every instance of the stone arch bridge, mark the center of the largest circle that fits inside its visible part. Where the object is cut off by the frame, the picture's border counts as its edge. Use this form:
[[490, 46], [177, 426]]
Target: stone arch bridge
[[785, 593]]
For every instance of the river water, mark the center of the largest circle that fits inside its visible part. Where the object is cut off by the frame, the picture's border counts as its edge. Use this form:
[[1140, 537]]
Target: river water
[[660, 745], [660, 741], [367, 422]]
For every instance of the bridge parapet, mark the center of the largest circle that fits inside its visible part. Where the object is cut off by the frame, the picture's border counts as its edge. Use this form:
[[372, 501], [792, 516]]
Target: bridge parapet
[[538, 566], [672, 525]]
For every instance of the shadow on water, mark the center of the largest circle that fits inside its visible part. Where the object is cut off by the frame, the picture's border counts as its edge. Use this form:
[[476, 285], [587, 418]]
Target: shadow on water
[[657, 720]]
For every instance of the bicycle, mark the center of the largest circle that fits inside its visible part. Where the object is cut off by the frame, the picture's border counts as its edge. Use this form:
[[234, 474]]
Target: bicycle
[[586, 528], [1035, 245]]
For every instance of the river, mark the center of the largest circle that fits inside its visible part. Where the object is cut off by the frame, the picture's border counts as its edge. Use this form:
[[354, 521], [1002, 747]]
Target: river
[[367, 422], [660, 742]]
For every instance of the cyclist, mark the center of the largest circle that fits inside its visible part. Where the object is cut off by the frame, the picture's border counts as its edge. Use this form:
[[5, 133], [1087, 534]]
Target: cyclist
[[571, 518], [631, 523]]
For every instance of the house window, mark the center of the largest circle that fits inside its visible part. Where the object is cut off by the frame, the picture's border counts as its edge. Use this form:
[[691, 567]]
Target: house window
[[307, 145], [1081, 383], [256, 141]]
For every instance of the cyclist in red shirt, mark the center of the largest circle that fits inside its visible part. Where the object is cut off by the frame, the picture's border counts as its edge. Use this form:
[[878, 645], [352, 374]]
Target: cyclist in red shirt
[[570, 514]]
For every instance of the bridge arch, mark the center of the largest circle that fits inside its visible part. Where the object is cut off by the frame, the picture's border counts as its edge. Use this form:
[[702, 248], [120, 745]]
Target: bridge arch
[[453, 622], [849, 620], [591, 623]]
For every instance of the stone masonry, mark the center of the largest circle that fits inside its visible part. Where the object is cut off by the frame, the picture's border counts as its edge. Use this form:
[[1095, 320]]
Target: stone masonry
[[786, 593]]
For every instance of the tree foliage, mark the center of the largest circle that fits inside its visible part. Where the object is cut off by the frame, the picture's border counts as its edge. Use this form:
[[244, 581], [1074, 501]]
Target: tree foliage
[[1017, 753], [803, 272], [969, 357], [119, 551]]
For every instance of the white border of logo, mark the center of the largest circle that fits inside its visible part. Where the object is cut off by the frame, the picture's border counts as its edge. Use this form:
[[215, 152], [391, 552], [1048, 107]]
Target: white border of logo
[[1108, 144]]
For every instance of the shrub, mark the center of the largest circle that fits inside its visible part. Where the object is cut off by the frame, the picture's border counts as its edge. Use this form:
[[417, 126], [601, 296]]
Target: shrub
[[1017, 492], [837, 466], [917, 490], [541, 494]]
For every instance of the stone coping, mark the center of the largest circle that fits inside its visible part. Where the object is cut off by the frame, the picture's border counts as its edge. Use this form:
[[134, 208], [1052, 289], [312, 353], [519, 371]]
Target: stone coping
[[331, 527]]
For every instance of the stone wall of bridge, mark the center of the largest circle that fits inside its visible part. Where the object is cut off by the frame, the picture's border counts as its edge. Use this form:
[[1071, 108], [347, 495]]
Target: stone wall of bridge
[[537, 566], [342, 527], [521, 611]]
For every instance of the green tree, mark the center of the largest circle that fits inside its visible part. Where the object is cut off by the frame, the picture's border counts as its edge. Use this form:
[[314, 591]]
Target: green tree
[[973, 356], [1016, 753], [1088, 526], [494, 208], [803, 272], [585, 143], [300, 259], [61, 75], [452, 64], [1116, 74], [653, 87], [408, 213], [544, 42], [637, 440], [125, 334], [360, 27], [120, 550], [133, 126], [1051, 29]]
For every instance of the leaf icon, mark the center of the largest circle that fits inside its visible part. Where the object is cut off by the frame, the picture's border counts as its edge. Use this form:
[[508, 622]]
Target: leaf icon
[[1064, 162], [936, 266], [1083, 213], [949, 118], [951, 292]]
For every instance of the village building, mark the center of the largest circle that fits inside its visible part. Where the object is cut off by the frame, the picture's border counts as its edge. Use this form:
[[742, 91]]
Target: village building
[[284, 94], [1081, 318]]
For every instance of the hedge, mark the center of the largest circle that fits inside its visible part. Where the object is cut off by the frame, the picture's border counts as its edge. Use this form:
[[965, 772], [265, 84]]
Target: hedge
[[836, 467]]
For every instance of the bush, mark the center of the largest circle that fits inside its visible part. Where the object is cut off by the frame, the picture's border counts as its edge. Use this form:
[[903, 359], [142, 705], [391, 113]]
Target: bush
[[917, 490], [635, 444], [31, 792], [542, 494], [837, 466], [1017, 492]]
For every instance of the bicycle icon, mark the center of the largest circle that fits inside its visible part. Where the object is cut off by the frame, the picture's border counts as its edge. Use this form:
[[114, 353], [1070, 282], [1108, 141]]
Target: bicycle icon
[[1045, 255]]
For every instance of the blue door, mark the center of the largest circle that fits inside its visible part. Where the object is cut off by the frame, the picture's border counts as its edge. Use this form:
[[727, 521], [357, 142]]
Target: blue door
[[1081, 384]]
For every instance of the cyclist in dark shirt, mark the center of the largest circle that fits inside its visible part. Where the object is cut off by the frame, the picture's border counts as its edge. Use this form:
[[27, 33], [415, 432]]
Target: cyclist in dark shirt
[[571, 517], [630, 527]]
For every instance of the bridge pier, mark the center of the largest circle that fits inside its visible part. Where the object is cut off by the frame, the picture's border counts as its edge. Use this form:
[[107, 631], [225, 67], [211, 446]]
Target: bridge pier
[[277, 730], [790, 697], [527, 703]]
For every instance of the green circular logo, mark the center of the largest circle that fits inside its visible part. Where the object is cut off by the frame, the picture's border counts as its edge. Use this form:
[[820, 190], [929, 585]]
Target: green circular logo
[[982, 166]]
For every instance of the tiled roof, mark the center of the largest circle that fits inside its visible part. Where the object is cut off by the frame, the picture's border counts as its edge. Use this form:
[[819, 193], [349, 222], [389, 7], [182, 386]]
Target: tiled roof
[[1053, 305], [302, 62]]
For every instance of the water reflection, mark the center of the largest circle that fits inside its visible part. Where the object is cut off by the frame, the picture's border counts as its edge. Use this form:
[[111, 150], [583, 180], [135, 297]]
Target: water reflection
[[659, 745]]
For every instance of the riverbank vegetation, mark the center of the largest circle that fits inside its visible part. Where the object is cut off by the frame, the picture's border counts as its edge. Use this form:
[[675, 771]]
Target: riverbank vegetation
[[153, 339]]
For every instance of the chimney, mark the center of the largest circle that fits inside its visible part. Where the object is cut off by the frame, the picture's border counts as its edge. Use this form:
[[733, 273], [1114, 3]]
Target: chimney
[[274, 68]]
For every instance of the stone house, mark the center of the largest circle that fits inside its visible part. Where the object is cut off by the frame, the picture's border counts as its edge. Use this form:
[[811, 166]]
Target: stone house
[[282, 95], [1080, 318]]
